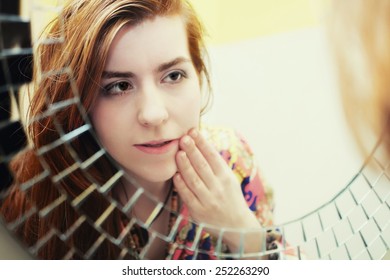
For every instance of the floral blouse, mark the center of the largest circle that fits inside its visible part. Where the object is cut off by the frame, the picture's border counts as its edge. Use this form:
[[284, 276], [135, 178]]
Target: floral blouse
[[239, 156]]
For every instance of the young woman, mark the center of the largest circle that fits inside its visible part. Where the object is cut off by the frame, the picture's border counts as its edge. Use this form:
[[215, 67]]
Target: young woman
[[156, 184]]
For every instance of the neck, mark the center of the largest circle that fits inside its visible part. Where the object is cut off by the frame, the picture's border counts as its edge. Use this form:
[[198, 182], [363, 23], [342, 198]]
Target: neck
[[144, 206], [157, 189]]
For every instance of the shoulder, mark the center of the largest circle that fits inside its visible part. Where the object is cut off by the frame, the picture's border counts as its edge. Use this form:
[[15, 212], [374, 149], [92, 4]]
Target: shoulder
[[238, 154], [232, 146], [221, 136]]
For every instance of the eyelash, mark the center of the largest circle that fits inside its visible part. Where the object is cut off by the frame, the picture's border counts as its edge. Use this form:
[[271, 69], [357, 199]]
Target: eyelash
[[182, 74], [108, 89]]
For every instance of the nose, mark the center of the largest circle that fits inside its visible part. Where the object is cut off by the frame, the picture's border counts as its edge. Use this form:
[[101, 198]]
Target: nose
[[153, 110]]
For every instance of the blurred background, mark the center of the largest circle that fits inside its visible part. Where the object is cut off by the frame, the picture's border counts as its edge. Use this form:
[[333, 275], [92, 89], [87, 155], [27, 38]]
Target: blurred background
[[274, 81]]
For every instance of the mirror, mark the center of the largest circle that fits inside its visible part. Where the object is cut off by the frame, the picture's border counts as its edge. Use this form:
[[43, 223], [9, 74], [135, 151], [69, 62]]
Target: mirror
[[331, 203]]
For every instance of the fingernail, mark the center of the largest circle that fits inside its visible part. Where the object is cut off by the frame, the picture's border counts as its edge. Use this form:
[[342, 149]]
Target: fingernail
[[186, 140]]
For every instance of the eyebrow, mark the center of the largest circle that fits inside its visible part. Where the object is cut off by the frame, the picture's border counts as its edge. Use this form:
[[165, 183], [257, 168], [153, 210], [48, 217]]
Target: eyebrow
[[116, 74], [163, 67], [167, 65]]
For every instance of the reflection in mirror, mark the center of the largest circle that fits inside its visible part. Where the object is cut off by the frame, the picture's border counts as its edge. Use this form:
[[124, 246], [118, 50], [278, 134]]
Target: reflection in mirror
[[329, 205]]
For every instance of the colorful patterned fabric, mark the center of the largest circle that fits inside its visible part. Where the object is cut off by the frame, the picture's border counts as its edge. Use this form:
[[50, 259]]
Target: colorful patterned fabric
[[239, 156]]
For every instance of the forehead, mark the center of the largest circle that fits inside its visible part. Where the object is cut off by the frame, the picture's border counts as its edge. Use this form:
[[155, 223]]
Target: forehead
[[152, 40]]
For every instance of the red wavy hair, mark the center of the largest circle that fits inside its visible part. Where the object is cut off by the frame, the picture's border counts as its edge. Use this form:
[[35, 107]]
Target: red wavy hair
[[67, 69]]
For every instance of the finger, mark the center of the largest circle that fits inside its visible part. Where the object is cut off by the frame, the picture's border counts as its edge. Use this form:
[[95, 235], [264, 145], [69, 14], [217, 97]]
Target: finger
[[191, 178], [185, 193], [216, 162], [198, 161]]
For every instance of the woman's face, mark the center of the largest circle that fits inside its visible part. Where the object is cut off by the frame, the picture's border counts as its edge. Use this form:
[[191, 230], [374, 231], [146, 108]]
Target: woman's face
[[149, 98]]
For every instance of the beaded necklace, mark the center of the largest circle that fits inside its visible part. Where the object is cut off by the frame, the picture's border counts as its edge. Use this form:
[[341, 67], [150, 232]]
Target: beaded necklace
[[139, 236]]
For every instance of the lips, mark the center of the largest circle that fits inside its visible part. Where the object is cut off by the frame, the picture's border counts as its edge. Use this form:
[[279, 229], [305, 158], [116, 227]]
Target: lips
[[157, 147]]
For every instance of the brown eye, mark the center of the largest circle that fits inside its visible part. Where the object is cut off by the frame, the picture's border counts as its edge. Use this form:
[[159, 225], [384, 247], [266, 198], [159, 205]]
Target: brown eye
[[174, 77], [123, 86], [118, 88]]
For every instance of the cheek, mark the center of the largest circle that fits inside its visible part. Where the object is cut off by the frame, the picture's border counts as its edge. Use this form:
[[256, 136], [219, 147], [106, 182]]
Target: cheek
[[190, 112], [195, 96], [105, 122], [97, 119]]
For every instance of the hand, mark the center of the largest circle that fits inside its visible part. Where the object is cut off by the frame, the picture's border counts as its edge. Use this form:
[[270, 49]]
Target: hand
[[212, 192]]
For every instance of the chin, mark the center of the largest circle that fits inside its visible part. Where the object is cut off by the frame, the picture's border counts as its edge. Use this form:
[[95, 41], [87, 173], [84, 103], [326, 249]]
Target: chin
[[156, 175], [163, 176]]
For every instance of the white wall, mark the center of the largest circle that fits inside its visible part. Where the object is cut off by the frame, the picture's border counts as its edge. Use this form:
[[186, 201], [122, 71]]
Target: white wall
[[280, 93]]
